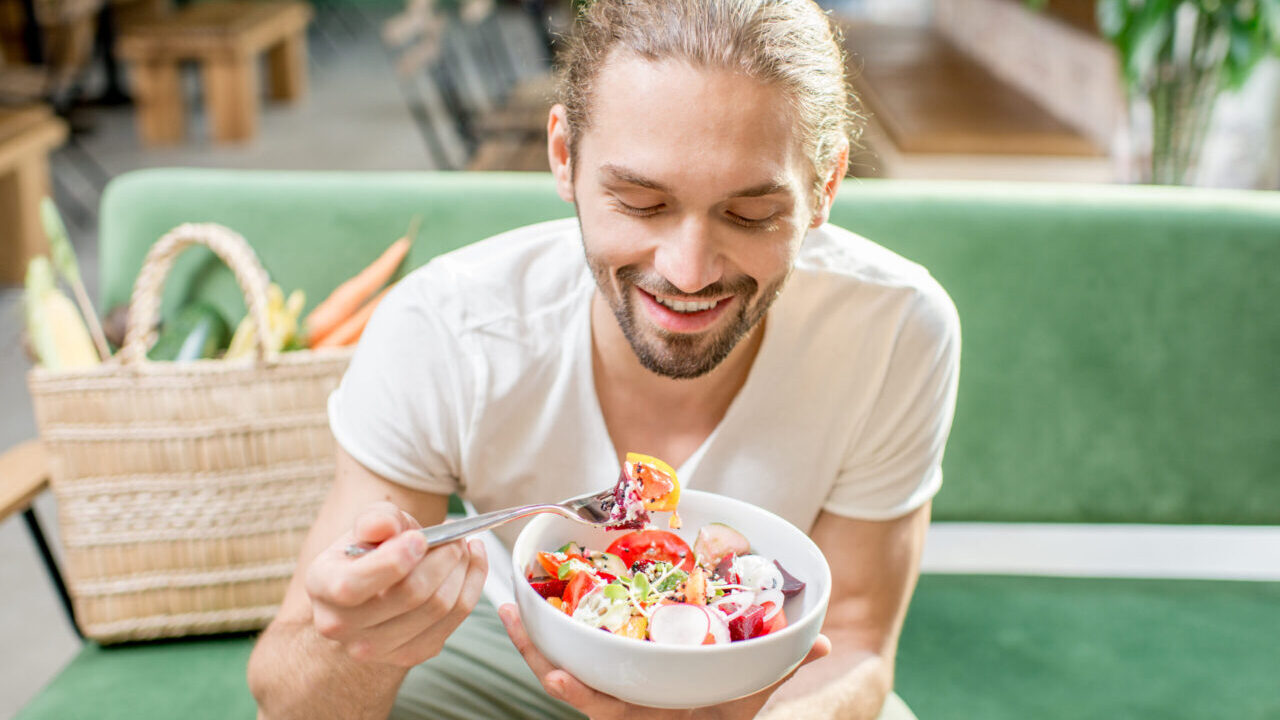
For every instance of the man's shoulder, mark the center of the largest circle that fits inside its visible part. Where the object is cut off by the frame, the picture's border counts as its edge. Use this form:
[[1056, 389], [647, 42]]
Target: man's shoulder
[[833, 250], [512, 276], [851, 276]]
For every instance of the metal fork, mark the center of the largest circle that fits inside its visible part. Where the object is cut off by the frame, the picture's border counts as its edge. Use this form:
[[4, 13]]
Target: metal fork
[[594, 509]]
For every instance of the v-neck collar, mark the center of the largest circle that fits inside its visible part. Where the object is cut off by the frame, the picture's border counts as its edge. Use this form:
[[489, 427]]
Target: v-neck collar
[[598, 431]]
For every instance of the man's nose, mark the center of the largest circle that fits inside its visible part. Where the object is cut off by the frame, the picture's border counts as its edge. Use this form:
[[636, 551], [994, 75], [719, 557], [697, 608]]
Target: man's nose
[[690, 258]]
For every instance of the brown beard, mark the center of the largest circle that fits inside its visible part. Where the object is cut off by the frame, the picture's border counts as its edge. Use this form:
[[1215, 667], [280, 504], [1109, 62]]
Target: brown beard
[[676, 355]]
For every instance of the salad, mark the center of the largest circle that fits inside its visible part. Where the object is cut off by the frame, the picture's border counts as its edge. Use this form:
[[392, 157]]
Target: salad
[[650, 585], [645, 483]]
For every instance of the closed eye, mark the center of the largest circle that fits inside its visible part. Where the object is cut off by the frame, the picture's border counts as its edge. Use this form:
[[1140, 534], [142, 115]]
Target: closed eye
[[763, 223], [639, 211]]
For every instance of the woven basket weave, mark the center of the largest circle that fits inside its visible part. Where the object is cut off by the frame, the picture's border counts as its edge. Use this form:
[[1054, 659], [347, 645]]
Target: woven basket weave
[[184, 490]]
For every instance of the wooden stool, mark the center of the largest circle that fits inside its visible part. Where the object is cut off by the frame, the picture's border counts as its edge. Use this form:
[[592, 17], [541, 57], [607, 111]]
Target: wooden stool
[[226, 38], [27, 134]]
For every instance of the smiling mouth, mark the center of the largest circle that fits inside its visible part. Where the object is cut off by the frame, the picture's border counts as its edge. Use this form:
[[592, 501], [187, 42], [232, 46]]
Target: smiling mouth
[[686, 307]]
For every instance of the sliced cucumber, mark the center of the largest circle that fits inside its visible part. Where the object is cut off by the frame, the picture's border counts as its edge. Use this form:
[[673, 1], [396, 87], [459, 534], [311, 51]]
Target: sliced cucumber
[[608, 562], [717, 540]]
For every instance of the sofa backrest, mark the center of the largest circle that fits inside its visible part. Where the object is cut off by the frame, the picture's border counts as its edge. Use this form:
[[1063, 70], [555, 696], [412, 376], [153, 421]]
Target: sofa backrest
[[1121, 344]]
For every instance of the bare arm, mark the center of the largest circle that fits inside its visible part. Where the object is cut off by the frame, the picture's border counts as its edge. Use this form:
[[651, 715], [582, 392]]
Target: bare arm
[[873, 572], [348, 630]]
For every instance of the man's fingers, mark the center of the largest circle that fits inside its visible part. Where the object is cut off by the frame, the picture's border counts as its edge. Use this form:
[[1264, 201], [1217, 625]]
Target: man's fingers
[[418, 648], [381, 521], [347, 582], [558, 683], [563, 686], [510, 616], [821, 648]]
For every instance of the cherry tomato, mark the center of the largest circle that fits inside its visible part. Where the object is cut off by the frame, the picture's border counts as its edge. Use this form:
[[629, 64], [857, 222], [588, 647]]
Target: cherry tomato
[[655, 545]]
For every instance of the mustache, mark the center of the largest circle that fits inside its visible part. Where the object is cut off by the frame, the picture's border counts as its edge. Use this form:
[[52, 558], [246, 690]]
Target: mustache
[[655, 284]]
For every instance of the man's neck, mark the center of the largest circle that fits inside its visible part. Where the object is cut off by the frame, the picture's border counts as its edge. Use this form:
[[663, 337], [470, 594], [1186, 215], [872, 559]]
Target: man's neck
[[647, 412]]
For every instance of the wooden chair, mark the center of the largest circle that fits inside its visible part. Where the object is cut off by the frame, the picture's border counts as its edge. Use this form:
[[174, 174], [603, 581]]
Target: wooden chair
[[27, 134], [226, 38]]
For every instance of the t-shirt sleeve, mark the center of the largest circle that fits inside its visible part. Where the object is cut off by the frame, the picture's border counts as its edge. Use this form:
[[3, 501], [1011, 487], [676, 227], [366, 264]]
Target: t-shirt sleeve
[[401, 409], [894, 464]]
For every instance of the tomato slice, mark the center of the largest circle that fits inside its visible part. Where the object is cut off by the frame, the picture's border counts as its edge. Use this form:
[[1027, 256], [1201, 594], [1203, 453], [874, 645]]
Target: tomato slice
[[579, 585], [655, 545], [778, 621], [551, 562]]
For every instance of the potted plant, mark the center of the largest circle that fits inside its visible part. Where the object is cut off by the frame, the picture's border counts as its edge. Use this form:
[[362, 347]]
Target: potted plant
[[1176, 57]]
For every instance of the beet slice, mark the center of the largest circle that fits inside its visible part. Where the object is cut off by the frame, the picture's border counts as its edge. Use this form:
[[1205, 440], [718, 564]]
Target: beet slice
[[747, 625], [725, 566], [790, 583]]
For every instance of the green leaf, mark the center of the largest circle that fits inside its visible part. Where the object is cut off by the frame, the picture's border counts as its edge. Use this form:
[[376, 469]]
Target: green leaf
[[672, 581], [641, 585], [60, 250], [1113, 17], [1152, 38], [616, 591], [1269, 14], [563, 571]]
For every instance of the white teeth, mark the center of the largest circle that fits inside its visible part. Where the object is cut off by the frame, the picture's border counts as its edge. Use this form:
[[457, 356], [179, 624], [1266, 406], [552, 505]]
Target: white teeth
[[687, 307]]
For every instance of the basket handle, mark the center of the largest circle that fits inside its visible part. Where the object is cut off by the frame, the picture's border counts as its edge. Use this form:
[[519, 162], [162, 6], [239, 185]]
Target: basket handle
[[231, 248]]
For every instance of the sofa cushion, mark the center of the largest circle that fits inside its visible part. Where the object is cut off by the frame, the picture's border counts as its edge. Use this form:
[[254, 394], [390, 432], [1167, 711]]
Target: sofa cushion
[[1014, 648], [202, 679]]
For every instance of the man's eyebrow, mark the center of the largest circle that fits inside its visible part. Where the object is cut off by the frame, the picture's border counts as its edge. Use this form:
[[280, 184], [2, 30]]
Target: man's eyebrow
[[621, 174], [768, 188]]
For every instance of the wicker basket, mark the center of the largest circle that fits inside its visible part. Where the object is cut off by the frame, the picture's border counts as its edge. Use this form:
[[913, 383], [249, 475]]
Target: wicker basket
[[184, 490]]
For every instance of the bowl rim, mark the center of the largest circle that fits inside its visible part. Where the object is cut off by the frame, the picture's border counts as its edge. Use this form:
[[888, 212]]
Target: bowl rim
[[793, 627]]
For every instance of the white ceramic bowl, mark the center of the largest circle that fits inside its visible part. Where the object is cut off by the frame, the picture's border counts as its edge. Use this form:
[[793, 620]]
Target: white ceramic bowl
[[668, 676]]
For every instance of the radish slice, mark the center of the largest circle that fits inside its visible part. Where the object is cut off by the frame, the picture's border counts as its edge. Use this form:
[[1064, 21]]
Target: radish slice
[[740, 600], [770, 596], [719, 626], [679, 624]]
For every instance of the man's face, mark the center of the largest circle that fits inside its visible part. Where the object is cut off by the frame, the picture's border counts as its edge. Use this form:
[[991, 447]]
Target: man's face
[[693, 197]]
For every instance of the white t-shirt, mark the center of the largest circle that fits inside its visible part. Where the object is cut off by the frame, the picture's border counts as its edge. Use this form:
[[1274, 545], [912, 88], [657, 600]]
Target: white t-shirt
[[475, 376]]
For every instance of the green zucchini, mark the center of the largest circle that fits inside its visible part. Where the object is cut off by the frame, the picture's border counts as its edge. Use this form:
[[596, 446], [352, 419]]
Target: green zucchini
[[199, 331]]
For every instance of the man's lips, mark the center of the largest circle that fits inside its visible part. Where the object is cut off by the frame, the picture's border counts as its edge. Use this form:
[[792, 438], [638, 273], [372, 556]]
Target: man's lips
[[682, 322]]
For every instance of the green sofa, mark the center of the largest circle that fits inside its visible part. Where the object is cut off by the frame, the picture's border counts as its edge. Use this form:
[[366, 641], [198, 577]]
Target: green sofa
[[1120, 366]]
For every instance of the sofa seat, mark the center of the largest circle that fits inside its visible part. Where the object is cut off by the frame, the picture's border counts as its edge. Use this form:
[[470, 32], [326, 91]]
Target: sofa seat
[[974, 646], [1040, 648]]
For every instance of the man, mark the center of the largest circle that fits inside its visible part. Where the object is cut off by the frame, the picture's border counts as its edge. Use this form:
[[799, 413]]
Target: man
[[718, 323]]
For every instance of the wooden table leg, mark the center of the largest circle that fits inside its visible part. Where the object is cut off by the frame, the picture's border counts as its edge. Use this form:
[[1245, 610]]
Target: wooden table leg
[[21, 189], [231, 97], [161, 114], [288, 63]]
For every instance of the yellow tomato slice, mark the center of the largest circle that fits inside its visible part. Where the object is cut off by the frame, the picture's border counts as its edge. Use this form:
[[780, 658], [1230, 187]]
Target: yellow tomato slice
[[658, 484]]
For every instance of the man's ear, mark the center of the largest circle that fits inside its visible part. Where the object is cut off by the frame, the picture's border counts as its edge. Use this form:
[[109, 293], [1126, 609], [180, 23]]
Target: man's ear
[[839, 167], [558, 151]]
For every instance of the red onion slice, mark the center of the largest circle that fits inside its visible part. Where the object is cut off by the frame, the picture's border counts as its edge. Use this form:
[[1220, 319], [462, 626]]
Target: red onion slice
[[774, 596]]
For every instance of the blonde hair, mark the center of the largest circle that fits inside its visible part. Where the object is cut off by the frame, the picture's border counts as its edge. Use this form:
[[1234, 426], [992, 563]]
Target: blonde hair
[[789, 43]]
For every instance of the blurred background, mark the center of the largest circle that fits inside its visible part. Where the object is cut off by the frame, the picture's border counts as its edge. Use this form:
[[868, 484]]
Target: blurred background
[[1064, 90]]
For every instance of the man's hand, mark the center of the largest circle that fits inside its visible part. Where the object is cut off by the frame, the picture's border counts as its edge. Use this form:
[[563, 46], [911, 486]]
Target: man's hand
[[598, 706], [397, 604]]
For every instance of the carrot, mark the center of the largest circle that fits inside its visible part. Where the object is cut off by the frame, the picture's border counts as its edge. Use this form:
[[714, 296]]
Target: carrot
[[348, 298], [348, 332]]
